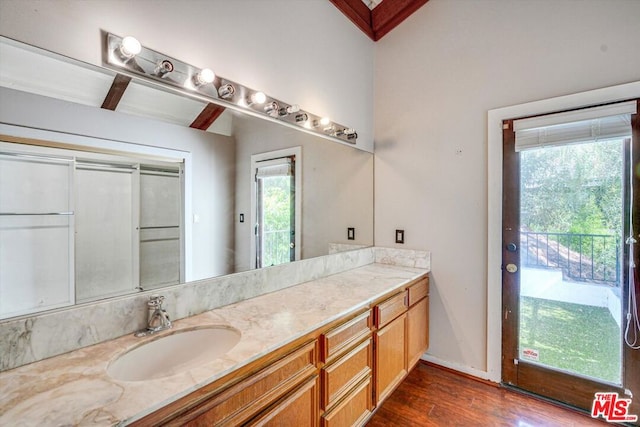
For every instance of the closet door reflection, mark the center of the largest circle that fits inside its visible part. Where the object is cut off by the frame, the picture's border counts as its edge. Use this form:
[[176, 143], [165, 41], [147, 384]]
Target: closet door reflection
[[106, 243], [160, 231], [36, 233], [79, 226]]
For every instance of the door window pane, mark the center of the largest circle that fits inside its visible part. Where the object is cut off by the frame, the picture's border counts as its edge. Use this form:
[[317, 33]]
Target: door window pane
[[571, 216]]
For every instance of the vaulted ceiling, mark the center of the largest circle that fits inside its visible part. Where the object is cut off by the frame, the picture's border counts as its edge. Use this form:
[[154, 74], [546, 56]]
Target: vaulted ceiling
[[376, 17]]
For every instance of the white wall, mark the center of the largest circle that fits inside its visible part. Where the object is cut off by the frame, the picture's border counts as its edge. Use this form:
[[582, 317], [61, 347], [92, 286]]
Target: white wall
[[437, 75], [212, 165], [337, 187], [299, 51]]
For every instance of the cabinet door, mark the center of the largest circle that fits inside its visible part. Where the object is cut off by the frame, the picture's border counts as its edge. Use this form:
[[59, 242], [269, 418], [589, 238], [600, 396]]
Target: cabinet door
[[390, 357], [417, 331], [300, 408]]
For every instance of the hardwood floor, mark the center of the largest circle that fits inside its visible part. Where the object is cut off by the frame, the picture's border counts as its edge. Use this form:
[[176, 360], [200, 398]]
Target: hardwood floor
[[431, 396]]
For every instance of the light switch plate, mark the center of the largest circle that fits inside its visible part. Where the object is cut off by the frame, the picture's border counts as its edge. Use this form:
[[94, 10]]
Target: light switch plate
[[400, 236]]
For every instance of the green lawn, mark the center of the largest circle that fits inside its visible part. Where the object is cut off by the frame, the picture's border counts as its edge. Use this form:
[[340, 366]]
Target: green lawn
[[573, 337]]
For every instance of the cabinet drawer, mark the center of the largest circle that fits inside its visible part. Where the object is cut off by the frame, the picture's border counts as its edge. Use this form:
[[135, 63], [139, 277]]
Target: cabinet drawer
[[243, 400], [353, 410], [300, 408], [418, 291], [344, 336], [339, 377], [390, 309]]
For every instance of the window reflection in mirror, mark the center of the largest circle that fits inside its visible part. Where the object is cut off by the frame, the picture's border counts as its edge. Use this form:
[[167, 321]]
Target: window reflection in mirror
[[275, 200]]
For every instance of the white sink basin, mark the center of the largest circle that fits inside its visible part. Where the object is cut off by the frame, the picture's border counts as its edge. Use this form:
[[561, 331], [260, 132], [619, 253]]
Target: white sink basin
[[173, 354]]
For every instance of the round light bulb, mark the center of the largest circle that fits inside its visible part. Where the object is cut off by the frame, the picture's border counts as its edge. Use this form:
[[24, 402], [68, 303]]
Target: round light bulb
[[258, 98], [205, 76], [130, 47], [325, 121]]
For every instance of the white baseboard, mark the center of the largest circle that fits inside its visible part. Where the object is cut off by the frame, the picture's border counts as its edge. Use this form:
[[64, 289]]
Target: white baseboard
[[457, 367]]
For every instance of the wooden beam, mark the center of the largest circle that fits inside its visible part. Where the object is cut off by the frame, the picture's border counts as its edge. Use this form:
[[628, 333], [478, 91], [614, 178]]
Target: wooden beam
[[207, 116], [119, 85], [358, 13], [382, 19], [390, 13]]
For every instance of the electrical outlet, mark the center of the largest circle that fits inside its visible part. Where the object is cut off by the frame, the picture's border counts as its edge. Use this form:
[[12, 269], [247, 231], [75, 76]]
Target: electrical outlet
[[241, 217], [400, 236], [351, 233]]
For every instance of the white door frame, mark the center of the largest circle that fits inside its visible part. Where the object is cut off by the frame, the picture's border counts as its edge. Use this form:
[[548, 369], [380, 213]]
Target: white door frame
[[494, 197]]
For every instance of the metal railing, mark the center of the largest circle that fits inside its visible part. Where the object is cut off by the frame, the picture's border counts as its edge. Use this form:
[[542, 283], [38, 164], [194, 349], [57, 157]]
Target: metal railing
[[582, 257]]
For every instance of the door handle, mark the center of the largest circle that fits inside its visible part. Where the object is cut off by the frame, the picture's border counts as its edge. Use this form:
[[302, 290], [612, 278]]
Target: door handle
[[512, 268]]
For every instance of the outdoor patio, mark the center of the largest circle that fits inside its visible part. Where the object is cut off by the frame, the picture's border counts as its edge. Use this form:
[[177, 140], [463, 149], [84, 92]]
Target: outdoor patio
[[549, 284]]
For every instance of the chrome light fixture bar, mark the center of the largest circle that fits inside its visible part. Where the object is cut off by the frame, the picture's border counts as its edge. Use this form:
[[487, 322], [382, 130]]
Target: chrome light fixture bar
[[128, 55]]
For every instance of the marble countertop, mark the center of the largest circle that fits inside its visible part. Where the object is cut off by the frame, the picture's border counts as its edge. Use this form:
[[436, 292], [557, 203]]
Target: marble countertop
[[74, 388]]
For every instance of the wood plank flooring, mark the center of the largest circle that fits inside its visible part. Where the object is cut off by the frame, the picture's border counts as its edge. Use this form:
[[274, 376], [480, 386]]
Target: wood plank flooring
[[431, 396]]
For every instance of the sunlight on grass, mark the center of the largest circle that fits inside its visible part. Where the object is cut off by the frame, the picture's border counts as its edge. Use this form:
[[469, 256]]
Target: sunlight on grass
[[572, 337]]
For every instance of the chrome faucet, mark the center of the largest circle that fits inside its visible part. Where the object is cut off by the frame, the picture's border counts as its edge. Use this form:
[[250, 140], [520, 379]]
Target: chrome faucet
[[158, 317]]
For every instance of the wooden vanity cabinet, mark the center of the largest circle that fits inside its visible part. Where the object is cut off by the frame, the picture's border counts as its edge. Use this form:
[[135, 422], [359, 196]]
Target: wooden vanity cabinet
[[417, 321], [390, 360], [332, 377]]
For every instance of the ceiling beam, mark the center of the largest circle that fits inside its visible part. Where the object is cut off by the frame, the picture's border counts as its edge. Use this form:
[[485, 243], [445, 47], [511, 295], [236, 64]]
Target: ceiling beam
[[207, 116], [119, 85], [390, 13], [383, 18]]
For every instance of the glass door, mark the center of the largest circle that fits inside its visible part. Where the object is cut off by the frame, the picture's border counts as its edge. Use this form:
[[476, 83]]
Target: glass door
[[571, 216], [566, 211]]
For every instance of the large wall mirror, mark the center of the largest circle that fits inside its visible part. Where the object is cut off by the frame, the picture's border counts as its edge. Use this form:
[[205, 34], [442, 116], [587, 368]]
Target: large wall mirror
[[97, 203]]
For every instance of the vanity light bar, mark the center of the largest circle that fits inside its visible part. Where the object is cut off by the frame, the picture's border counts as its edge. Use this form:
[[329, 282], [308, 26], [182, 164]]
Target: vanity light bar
[[129, 55]]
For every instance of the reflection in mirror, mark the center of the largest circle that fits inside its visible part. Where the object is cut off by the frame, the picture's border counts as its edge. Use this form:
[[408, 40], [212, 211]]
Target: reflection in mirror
[[80, 226], [131, 166]]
